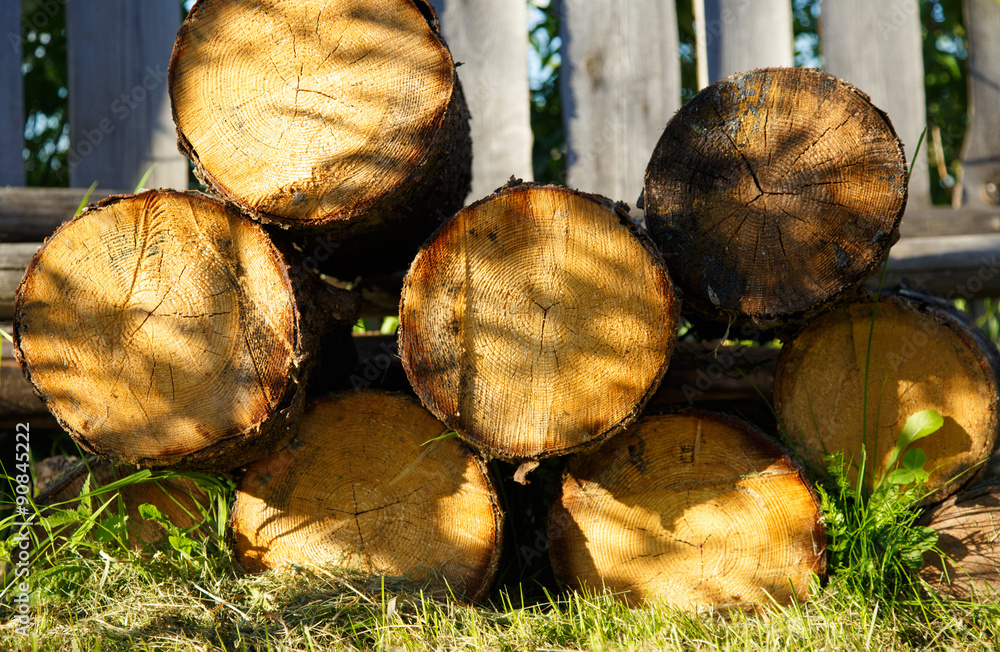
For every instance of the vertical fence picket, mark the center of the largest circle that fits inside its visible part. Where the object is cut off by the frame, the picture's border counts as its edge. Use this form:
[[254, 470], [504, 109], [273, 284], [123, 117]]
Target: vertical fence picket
[[877, 47], [980, 176], [490, 39], [12, 97], [620, 84], [119, 111], [740, 35]]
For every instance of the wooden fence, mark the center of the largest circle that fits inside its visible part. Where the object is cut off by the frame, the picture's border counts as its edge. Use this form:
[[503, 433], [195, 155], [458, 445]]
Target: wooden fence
[[620, 85]]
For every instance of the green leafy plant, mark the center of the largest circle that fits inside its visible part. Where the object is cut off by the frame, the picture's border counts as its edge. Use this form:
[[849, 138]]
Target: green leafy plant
[[176, 537], [874, 541]]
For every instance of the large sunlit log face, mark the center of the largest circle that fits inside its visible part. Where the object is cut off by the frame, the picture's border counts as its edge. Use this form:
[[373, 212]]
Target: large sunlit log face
[[919, 358], [369, 485], [309, 111], [157, 326], [692, 509], [536, 321]]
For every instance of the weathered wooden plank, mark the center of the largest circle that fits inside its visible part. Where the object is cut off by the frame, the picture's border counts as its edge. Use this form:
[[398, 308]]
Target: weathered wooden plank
[[12, 97], [740, 35], [32, 214], [955, 267], [928, 221], [620, 83], [980, 176], [877, 47], [120, 124], [14, 259], [946, 264], [17, 398], [490, 39]]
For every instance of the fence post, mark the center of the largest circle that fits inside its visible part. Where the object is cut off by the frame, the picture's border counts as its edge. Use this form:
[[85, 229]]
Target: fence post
[[119, 112], [490, 39], [877, 47], [979, 180], [740, 35], [11, 96], [620, 83]]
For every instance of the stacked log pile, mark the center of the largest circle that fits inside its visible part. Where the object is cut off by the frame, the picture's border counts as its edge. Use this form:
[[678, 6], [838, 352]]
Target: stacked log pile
[[185, 331]]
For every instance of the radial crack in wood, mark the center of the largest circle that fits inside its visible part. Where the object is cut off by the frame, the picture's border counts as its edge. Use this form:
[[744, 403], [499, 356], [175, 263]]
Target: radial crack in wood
[[369, 484], [537, 321], [693, 509], [773, 192], [162, 329], [923, 354]]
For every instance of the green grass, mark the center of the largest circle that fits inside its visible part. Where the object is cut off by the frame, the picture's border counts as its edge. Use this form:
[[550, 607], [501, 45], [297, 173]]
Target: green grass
[[149, 605], [91, 592]]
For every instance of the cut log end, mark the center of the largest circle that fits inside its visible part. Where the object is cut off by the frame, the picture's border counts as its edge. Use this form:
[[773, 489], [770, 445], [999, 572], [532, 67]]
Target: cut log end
[[537, 321], [968, 527], [773, 192], [309, 114], [922, 356], [161, 329], [369, 485], [692, 509]]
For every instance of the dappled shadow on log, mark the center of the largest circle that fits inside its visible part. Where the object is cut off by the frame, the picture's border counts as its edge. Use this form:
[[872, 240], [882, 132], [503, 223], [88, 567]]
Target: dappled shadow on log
[[537, 320], [695, 509], [923, 355], [347, 119], [968, 527], [772, 192], [365, 487], [162, 329]]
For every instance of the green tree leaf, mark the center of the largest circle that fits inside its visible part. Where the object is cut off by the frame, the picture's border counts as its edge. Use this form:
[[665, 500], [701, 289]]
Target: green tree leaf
[[914, 459], [918, 426]]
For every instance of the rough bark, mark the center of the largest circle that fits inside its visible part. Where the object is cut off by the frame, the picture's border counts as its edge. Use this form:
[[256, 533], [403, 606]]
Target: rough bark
[[694, 509], [164, 330], [369, 485], [968, 527], [537, 321], [346, 118], [923, 355], [774, 192]]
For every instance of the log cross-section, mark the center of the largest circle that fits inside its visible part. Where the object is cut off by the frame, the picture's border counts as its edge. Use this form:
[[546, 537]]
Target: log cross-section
[[920, 353], [773, 192], [370, 485], [323, 115], [694, 509], [536, 321], [162, 329]]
